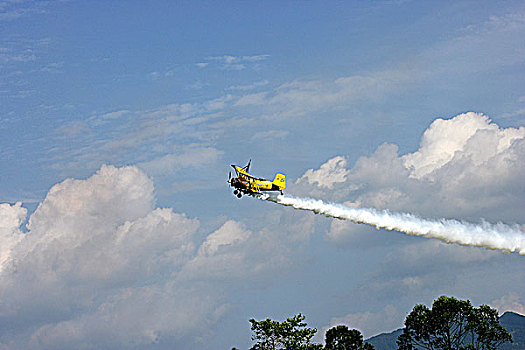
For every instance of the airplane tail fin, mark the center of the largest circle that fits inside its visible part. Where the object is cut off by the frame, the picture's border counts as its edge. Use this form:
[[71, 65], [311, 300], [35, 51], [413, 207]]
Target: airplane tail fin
[[247, 167], [280, 181]]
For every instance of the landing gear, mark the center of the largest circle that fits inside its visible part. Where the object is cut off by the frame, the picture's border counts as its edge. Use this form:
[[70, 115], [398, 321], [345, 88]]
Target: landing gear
[[235, 192], [239, 194]]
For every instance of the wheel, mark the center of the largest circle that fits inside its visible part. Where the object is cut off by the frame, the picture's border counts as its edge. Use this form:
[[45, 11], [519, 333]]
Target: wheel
[[235, 192], [239, 195]]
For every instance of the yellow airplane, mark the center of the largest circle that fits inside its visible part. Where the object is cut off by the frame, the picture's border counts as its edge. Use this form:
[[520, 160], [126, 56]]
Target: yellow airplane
[[244, 183]]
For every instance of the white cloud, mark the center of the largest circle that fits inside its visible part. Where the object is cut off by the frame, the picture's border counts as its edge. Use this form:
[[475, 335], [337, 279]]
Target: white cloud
[[419, 271], [251, 99], [218, 103], [228, 59], [96, 257], [330, 173], [11, 217], [13, 10], [469, 135], [225, 254], [520, 112], [102, 139], [255, 58], [342, 232], [73, 129], [187, 157], [137, 318], [229, 234], [169, 134], [302, 97], [475, 47], [236, 62], [248, 113], [11, 56], [234, 252], [269, 135], [248, 87], [509, 302], [114, 115], [421, 267], [101, 267], [471, 50], [112, 196], [465, 167]]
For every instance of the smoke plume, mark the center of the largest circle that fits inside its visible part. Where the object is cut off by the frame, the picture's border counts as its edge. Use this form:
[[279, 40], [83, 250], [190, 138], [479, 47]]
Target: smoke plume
[[492, 236]]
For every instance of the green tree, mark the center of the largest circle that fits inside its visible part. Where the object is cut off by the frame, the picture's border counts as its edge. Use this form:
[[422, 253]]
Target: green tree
[[342, 338], [368, 346], [452, 324], [291, 334]]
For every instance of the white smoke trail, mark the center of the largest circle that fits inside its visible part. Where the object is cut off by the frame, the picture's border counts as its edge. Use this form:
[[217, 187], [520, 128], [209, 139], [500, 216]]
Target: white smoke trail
[[492, 236]]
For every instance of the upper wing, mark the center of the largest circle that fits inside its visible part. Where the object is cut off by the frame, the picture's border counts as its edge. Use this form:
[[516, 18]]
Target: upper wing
[[241, 171]]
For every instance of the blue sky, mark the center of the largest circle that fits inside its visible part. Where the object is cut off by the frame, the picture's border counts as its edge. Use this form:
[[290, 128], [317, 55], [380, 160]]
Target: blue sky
[[168, 94]]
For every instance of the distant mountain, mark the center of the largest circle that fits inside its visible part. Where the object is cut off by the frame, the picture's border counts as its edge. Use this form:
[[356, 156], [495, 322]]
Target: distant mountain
[[514, 324], [385, 341]]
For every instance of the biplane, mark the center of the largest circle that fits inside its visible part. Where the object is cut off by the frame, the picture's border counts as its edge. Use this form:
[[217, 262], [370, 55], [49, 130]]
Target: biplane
[[244, 183]]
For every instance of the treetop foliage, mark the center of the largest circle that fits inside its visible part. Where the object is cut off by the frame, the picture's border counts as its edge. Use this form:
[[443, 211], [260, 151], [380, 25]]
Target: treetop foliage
[[289, 334], [452, 324], [342, 338], [293, 334]]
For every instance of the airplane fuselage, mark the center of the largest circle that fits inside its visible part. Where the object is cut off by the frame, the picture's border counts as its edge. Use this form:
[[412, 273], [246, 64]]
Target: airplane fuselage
[[244, 183]]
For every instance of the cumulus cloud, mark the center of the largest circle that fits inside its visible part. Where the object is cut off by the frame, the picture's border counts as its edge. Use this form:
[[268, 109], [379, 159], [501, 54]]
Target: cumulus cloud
[[229, 234], [470, 135], [225, 253], [95, 254], [11, 217], [465, 167], [235, 252], [423, 267], [509, 302], [328, 174], [345, 233], [101, 267], [94, 260]]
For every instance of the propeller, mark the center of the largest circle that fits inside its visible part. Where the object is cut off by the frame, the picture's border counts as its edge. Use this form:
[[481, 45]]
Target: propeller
[[229, 177]]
